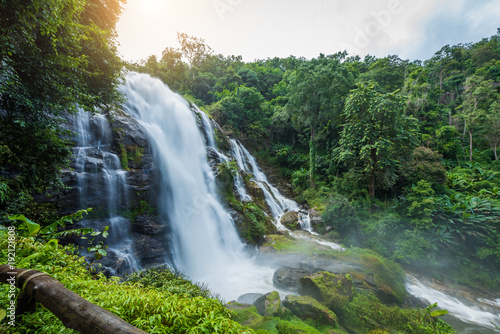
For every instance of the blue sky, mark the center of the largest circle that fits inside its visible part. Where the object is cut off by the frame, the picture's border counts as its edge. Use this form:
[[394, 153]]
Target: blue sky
[[259, 29]]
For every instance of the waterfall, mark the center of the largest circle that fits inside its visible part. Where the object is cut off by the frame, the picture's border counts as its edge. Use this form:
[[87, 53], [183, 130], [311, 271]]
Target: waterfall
[[277, 203], [100, 179], [205, 243], [481, 312]]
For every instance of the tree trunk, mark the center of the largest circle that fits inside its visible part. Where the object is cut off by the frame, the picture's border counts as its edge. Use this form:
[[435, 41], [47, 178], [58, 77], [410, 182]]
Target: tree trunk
[[312, 158], [371, 187], [74, 311], [470, 143]]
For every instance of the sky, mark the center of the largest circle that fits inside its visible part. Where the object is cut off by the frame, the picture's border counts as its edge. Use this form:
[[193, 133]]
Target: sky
[[261, 29]]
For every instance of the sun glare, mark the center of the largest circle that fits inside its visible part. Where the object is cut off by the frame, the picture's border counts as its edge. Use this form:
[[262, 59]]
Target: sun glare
[[151, 4]]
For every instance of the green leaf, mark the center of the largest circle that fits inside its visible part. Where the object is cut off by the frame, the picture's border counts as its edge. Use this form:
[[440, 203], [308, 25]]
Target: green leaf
[[3, 314], [33, 227], [438, 313]]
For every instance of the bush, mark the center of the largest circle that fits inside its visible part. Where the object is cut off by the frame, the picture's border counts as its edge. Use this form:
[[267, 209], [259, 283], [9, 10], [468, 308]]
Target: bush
[[340, 215], [175, 306]]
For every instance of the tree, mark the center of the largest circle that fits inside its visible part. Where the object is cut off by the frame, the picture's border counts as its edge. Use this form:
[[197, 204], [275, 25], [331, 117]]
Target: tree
[[243, 108], [493, 132], [377, 135], [316, 94], [194, 49], [55, 56], [477, 99]]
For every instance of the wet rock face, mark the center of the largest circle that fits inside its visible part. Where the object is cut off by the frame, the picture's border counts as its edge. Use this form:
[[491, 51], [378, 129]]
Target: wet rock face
[[151, 240], [107, 144], [306, 307], [289, 278], [131, 143], [256, 191]]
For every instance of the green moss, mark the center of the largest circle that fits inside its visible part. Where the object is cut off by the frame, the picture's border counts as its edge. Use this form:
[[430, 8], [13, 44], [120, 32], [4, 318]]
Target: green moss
[[306, 307], [288, 244], [135, 154], [332, 290], [295, 326], [142, 208], [366, 314], [388, 275], [123, 156], [246, 315]]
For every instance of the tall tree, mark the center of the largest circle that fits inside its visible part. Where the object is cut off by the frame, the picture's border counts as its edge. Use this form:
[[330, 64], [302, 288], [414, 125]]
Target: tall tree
[[377, 135], [316, 94], [55, 56], [493, 132], [477, 98]]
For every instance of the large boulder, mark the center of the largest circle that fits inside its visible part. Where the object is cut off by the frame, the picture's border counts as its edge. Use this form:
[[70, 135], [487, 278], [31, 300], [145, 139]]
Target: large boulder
[[269, 304], [332, 290], [291, 220], [306, 307], [255, 191], [245, 314], [289, 278]]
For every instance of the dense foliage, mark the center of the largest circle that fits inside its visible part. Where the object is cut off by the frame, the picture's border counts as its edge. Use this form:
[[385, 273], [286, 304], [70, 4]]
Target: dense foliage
[[403, 155], [156, 301], [56, 56]]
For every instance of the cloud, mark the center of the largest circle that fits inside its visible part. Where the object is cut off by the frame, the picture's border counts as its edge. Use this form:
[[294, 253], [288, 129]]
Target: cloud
[[459, 22], [258, 29]]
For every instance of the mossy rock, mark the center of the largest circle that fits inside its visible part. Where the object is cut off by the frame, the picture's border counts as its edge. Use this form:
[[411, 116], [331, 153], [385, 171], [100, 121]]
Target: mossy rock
[[306, 307], [280, 243], [291, 220], [332, 290], [379, 275], [245, 314], [255, 191], [269, 304]]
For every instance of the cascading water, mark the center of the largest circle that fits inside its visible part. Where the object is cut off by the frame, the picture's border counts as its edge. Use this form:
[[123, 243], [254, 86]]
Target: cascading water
[[277, 203], [481, 314], [205, 243], [99, 176], [210, 139]]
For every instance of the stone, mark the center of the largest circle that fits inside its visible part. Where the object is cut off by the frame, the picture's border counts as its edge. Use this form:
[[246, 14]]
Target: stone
[[269, 304], [152, 250], [149, 225], [289, 278], [315, 217], [306, 307], [249, 298], [332, 290], [245, 314], [256, 191], [291, 220]]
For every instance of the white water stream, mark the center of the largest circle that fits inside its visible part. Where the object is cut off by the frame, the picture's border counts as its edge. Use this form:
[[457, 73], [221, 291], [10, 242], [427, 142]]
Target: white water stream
[[101, 179], [480, 312]]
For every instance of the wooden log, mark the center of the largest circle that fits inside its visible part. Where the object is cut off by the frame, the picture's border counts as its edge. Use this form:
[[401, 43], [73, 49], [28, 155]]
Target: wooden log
[[74, 311]]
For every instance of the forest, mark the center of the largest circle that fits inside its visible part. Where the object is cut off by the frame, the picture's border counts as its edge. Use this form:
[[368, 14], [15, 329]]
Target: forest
[[399, 157]]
